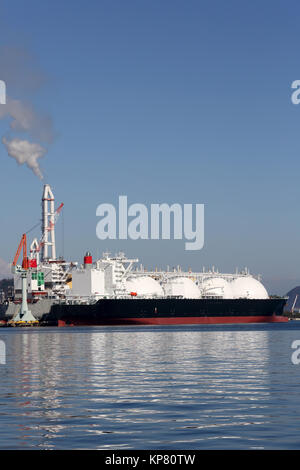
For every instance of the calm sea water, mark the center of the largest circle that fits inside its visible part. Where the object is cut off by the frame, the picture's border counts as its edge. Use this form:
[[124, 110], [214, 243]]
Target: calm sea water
[[200, 387]]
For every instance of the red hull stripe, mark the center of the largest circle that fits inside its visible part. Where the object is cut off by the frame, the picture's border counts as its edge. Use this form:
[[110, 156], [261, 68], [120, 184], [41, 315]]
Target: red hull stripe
[[176, 320]]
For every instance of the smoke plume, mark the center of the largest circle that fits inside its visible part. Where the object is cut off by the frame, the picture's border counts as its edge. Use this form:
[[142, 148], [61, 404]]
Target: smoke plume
[[26, 119], [26, 153], [20, 70], [23, 116]]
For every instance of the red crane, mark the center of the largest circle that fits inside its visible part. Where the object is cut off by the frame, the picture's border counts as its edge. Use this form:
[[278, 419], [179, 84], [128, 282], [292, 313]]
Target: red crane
[[22, 244]]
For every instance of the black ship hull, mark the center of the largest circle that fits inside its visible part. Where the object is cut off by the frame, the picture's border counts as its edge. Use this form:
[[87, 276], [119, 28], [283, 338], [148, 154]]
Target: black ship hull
[[167, 312]]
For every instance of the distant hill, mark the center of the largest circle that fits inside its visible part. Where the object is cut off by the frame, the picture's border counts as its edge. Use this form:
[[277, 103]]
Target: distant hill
[[292, 295]]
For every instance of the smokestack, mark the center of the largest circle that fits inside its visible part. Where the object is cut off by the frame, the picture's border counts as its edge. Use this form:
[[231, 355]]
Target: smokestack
[[88, 260]]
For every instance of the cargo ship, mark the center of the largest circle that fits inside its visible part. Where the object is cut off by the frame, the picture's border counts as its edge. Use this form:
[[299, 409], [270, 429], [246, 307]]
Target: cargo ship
[[112, 290]]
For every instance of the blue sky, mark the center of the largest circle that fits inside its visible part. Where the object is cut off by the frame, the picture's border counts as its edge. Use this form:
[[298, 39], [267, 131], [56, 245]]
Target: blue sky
[[163, 101]]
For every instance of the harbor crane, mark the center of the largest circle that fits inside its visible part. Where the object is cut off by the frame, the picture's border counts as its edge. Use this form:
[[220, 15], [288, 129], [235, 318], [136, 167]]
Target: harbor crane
[[24, 315]]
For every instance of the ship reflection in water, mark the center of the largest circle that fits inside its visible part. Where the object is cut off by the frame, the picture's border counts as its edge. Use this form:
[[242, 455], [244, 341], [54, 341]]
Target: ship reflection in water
[[218, 386]]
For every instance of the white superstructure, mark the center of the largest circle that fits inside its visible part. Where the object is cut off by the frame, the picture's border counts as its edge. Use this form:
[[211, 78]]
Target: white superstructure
[[111, 277]]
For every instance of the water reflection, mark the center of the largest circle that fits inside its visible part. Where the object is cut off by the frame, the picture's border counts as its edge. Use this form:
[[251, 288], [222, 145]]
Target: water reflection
[[142, 387]]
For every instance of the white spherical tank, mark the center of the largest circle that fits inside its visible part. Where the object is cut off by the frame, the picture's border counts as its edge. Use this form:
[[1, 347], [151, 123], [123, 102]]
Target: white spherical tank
[[248, 288], [144, 285], [131, 285], [216, 287], [182, 287]]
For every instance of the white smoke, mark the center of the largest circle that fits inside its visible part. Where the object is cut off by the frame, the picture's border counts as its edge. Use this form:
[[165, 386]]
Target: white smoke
[[26, 119], [26, 153], [21, 73], [20, 69]]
